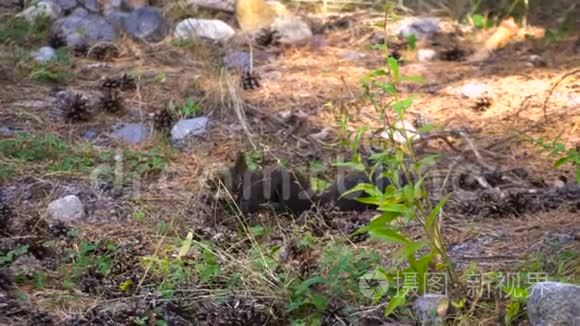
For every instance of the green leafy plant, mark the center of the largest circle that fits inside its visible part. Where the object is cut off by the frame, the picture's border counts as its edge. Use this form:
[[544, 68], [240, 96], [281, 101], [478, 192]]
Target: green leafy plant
[[406, 198], [412, 42], [11, 255], [89, 256], [19, 31], [190, 109], [563, 155]]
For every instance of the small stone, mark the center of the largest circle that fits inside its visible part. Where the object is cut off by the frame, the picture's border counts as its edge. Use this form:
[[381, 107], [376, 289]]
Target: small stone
[[146, 24], [90, 134], [26, 266], [189, 127], [554, 303], [211, 29], [44, 54], [47, 9], [473, 91], [353, 56], [116, 19], [132, 133], [430, 309], [422, 28], [426, 55], [237, 60], [66, 209]]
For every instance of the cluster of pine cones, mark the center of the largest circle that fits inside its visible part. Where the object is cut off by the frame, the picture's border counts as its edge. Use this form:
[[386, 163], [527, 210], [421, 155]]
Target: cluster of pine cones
[[75, 106]]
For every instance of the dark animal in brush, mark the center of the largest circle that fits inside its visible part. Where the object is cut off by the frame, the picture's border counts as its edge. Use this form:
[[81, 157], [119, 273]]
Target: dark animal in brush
[[286, 191]]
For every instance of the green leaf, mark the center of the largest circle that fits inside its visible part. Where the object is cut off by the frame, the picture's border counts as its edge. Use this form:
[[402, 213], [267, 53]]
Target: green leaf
[[388, 234], [319, 301], [561, 161], [403, 105], [185, 246], [397, 301], [435, 211], [414, 79], [393, 65]]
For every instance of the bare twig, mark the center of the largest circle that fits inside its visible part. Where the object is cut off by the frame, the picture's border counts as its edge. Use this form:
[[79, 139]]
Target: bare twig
[[566, 75]]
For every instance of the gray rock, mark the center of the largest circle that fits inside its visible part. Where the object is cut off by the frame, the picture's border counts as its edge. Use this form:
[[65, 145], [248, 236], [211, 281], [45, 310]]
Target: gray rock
[[90, 134], [211, 29], [44, 54], [224, 5], [146, 24], [473, 90], [426, 55], [189, 127], [430, 309], [292, 30], [40, 9], [66, 209], [132, 133], [79, 12], [353, 56], [79, 32], [422, 28], [237, 60], [91, 5], [66, 5], [554, 303], [117, 19]]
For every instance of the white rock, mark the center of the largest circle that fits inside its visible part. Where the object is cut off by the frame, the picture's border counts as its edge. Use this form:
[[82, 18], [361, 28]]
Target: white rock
[[211, 29], [473, 90], [188, 127], [44, 54], [40, 9], [132, 133], [402, 126], [426, 55], [66, 209], [292, 30]]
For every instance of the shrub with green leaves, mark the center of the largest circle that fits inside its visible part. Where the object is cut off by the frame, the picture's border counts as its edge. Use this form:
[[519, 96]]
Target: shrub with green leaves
[[406, 198], [564, 156]]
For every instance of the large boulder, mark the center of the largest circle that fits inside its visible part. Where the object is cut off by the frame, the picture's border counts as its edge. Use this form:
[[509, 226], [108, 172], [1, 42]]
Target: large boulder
[[554, 303], [85, 31], [211, 29], [146, 24]]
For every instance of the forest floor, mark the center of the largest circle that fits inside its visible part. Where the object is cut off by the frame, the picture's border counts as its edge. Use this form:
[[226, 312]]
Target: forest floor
[[130, 261]]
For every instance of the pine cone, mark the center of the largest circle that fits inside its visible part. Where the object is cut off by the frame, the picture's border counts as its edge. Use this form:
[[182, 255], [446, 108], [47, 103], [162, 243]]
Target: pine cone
[[163, 120], [250, 81], [124, 82], [482, 103], [111, 101], [74, 108]]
